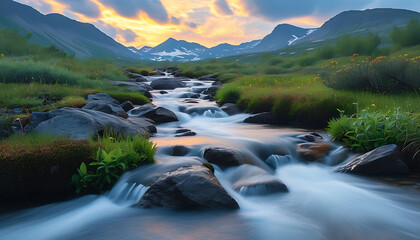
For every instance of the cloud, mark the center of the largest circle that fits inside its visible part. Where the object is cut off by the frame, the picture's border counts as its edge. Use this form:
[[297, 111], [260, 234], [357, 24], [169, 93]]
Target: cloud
[[191, 24], [175, 21], [85, 7], [128, 35], [222, 7], [131, 8], [274, 10]]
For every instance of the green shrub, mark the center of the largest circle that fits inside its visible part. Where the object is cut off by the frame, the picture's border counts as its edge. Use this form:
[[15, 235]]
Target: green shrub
[[40, 166], [407, 36], [383, 74], [369, 129], [115, 156]]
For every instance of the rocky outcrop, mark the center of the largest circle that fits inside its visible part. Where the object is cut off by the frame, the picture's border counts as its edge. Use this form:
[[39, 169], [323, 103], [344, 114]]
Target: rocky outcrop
[[222, 157], [190, 187], [157, 114], [83, 123], [382, 161], [167, 83], [230, 109], [313, 151], [261, 118], [102, 102], [209, 77]]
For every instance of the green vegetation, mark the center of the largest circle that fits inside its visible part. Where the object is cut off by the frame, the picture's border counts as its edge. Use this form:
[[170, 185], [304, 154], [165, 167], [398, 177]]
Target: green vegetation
[[370, 128], [39, 166], [382, 74], [309, 87], [407, 36], [115, 156]]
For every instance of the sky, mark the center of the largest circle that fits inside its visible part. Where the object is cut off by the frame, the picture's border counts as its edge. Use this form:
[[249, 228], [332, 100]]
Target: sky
[[141, 23]]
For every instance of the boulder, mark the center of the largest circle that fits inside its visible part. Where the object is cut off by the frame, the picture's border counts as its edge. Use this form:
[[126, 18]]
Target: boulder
[[163, 92], [211, 91], [382, 161], [230, 109], [313, 151], [157, 114], [83, 123], [261, 118], [135, 77], [179, 151], [104, 103], [167, 84], [252, 180], [222, 157], [127, 106], [191, 187]]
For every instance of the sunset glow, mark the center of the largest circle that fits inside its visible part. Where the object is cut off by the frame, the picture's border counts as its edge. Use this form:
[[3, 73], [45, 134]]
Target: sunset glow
[[150, 22]]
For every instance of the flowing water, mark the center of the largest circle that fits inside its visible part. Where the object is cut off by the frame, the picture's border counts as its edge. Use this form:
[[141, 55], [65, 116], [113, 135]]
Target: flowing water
[[320, 204]]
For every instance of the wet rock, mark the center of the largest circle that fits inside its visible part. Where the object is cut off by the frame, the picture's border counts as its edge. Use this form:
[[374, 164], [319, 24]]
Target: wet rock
[[157, 114], [310, 137], [198, 84], [198, 90], [145, 122], [230, 109], [382, 161], [261, 118], [163, 92], [182, 130], [211, 91], [186, 134], [190, 95], [222, 157], [313, 151], [167, 84], [191, 101], [179, 151], [252, 180], [127, 106], [104, 103], [191, 187], [83, 123]]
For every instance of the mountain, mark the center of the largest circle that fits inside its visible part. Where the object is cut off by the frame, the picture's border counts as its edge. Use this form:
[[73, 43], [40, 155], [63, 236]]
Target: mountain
[[377, 21], [182, 51], [82, 39], [283, 35]]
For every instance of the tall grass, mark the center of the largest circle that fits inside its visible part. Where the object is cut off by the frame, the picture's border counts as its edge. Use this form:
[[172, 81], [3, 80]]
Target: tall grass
[[32, 72]]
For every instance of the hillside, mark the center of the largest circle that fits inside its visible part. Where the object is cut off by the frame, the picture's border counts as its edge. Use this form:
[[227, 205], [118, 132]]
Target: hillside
[[82, 39]]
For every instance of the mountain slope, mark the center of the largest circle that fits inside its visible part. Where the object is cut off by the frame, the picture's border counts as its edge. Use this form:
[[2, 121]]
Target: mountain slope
[[283, 35], [82, 39], [378, 21]]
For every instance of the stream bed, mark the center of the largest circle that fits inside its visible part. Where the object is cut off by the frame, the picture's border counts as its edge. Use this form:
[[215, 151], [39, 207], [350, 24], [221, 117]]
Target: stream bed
[[320, 203]]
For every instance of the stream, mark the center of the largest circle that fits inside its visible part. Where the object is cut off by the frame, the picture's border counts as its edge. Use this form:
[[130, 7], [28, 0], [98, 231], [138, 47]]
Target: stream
[[320, 204]]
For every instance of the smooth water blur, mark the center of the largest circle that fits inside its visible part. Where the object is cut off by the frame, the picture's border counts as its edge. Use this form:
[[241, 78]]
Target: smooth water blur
[[320, 204]]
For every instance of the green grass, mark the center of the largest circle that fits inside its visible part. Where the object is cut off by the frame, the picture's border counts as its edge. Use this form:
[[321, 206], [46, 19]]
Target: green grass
[[134, 97], [33, 72]]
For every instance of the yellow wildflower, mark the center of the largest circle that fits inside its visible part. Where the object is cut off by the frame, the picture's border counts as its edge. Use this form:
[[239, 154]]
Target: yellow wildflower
[[373, 105]]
